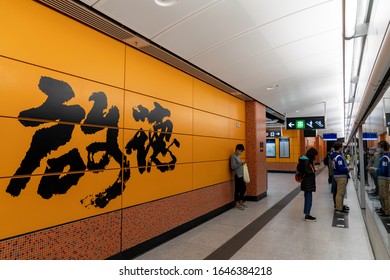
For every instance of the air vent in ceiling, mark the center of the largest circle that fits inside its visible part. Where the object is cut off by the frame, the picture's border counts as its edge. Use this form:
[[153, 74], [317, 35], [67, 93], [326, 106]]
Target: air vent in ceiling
[[84, 15], [92, 18], [190, 69]]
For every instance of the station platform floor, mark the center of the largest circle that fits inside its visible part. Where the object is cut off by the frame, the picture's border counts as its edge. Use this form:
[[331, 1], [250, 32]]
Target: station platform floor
[[274, 228]]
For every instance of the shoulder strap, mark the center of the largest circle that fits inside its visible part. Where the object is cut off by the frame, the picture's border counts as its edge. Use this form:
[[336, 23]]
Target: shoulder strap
[[385, 156], [335, 159]]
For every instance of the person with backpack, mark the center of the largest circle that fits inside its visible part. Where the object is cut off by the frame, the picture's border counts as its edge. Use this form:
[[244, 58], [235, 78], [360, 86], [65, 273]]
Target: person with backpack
[[330, 168], [340, 175], [383, 175], [306, 170]]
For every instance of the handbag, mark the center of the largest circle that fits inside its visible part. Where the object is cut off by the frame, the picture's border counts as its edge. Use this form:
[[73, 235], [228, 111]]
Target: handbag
[[246, 173], [299, 177]]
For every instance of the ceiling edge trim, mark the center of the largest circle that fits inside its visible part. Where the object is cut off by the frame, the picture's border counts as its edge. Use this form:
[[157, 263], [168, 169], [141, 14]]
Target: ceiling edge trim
[[86, 15]]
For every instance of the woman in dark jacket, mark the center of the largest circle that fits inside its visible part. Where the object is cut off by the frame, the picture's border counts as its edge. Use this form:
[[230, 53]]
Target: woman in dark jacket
[[308, 184]]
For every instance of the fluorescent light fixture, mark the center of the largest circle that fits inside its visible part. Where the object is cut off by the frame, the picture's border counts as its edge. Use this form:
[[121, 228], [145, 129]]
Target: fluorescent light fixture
[[166, 3], [350, 17], [272, 87], [348, 67]]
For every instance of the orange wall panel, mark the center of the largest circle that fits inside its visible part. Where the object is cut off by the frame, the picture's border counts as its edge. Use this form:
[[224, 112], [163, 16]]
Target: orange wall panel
[[237, 129], [180, 148], [179, 116], [66, 95], [295, 150], [152, 77], [236, 109], [21, 140], [72, 109], [211, 173], [210, 99], [41, 36], [156, 184], [211, 149], [30, 212], [207, 124]]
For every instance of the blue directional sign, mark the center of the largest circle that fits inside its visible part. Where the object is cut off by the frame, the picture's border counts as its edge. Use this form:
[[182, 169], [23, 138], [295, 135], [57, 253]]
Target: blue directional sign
[[317, 122]]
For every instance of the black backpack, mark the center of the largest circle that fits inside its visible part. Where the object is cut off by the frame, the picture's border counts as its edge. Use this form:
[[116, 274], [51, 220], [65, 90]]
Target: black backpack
[[326, 160]]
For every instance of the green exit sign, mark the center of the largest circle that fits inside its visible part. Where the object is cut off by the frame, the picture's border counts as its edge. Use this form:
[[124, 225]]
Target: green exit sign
[[317, 122], [300, 124]]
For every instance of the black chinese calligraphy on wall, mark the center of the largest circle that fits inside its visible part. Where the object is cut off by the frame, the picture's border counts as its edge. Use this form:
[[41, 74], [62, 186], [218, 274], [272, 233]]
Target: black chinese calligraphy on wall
[[150, 146]]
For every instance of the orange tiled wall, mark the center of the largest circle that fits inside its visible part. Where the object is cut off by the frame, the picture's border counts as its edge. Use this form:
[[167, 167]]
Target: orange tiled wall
[[99, 237], [287, 164], [50, 88], [298, 146]]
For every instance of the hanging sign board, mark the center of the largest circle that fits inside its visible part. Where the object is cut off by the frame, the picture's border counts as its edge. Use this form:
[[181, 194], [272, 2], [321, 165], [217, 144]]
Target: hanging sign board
[[317, 122], [273, 133]]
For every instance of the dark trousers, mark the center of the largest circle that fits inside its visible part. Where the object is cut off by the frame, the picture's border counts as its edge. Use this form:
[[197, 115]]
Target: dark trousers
[[308, 202], [240, 188], [334, 190]]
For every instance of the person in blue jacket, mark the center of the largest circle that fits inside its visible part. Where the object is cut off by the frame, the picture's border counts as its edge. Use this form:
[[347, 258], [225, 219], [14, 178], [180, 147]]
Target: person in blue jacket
[[308, 184], [340, 175], [383, 175]]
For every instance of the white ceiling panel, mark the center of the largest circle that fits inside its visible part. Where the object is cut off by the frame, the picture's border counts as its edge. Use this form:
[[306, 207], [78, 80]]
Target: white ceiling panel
[[227, 20], [147, 18], [266, 11], [253, 44], [210, 27], [309, 68], [232, 51], [310, 46], [300, 25], [255, 65]]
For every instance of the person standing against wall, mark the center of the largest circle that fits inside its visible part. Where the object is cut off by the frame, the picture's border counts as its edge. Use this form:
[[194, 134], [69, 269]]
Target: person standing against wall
[[340, 175], [239, 184], [383, 175], [308, 184]]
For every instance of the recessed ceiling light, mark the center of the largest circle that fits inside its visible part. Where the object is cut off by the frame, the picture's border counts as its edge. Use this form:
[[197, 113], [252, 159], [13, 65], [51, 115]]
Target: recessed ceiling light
[[166, 3], [272, 87]]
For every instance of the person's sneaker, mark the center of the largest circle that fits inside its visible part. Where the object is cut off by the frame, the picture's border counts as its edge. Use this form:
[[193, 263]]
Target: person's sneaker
[[379, 211], [244, 205], [239, 207], [310, 218], [345, 207], [342, 211]]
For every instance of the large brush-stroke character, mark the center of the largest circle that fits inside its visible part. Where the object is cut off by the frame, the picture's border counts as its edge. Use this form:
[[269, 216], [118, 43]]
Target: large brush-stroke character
[[99, 115], [157, 138], [48, 139]]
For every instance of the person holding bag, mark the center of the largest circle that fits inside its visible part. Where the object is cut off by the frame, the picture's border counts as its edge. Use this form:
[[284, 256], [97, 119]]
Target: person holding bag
[[308, 184], [239, 185]]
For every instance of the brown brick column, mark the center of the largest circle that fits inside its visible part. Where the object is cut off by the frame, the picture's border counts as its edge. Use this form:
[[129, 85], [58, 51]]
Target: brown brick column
[[255, 133]]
